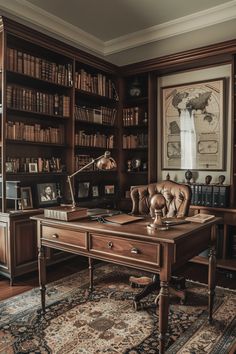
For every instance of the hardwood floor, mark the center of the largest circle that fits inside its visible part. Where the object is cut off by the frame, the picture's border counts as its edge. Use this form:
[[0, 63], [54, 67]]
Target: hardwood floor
[[191, 271]]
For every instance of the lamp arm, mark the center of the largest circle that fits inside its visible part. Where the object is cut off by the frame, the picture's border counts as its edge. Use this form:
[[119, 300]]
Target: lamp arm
[[75, 173], [84, 167]]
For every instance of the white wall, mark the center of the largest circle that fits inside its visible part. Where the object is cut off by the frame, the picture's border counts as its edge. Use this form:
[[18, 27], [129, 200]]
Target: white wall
[[191, 76]]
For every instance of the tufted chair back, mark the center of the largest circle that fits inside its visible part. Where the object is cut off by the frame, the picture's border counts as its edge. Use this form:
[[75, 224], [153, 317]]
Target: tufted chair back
[[177, 196]]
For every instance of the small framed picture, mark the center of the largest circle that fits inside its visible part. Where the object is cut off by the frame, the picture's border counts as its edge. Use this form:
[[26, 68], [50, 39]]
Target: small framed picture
[[47, 194], [95, 191], [33, 167], [26, 198], [83, 189], [109, 189], [9, 167]]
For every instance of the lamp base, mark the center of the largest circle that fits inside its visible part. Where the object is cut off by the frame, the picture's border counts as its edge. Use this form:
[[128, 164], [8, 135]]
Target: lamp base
[[157, 227], [65, 213]]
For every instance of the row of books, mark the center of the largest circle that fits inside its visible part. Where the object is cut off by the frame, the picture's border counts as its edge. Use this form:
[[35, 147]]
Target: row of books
[[35, 101], [83, 160], [34, 165], [210, 195], [25, 63], [94, 140], [135, 141], [134, 116], [35, 133], [101, 115], [98, 84]]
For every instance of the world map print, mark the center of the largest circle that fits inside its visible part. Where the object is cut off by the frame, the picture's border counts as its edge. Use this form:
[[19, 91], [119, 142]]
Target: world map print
[[193, 126]]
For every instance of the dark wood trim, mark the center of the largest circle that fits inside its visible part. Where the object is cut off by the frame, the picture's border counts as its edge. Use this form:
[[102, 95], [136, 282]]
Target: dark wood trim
[[217, 53], [22, 31]]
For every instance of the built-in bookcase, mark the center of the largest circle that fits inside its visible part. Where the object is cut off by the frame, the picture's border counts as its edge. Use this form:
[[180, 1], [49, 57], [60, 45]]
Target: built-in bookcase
[[95, 131]]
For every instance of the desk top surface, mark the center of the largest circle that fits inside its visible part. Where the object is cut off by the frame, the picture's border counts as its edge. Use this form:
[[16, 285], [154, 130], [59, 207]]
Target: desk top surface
[[136, 230]]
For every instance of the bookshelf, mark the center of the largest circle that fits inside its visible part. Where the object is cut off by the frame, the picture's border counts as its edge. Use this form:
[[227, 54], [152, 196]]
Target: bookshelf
[[134, 133], [58, 110], [95, 131]]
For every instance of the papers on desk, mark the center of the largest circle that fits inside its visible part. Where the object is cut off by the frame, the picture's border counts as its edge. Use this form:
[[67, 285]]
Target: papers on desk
[[123, 219], [174, 221], [200, 218]]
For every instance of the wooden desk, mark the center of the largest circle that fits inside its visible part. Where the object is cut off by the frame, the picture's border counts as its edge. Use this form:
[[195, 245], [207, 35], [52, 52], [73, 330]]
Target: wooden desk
[[131, 245]]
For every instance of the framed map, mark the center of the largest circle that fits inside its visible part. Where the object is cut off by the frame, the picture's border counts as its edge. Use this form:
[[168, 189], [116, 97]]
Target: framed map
[[193, 126]]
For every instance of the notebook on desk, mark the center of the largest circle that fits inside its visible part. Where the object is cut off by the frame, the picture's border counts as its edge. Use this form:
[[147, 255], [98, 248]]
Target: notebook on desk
[[122, 219]]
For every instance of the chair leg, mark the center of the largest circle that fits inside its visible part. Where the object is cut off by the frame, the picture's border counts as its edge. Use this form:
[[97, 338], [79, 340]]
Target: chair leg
[[177, 288], [154, 285]]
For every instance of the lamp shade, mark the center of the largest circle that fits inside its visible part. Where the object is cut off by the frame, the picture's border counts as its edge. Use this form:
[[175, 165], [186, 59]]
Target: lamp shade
[[106, 162]]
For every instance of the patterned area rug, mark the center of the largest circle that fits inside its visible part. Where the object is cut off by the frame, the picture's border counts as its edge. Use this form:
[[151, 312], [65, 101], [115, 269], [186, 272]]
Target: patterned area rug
[[105, 321]]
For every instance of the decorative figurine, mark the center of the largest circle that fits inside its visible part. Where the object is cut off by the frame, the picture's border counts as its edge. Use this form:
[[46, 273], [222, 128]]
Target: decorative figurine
[[221, 179], [129, 163], [135, 89], [168, 176], [188, 176], [208, 179]]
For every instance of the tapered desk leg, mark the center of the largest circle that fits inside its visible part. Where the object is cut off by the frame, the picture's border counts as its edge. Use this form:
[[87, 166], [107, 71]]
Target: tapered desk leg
[[90, 274], [163, 314], [211, 273], [42, 275]]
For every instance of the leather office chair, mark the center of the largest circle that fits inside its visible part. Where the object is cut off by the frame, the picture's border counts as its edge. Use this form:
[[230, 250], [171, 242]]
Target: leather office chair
[[178, 197]]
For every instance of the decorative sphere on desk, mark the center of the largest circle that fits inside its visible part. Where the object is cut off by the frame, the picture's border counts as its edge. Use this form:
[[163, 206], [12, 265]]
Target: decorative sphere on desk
[[158, 201]]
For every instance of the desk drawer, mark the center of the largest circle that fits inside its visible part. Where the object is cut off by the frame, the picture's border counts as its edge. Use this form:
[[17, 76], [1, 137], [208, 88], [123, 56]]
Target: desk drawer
[[125, 248], [75, 238]]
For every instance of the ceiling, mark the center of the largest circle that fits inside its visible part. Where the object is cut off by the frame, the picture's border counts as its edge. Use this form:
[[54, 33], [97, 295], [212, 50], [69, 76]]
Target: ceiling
[[108, 26]]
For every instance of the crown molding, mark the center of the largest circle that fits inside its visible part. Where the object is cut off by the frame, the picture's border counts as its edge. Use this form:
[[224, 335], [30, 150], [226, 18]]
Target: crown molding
[[198, 20], [52, 24], [24, 10]]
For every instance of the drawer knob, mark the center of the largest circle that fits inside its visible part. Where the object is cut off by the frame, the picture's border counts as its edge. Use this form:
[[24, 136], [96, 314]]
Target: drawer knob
[[55, 236], [134, 250], [110, 244]]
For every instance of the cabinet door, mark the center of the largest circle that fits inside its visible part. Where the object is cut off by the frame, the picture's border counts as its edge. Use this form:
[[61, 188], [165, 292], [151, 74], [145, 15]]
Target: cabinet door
[[25, 243], [4, 246]]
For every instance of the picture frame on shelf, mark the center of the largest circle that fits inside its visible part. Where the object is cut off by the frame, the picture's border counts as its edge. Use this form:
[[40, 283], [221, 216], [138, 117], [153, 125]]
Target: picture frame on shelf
[[33, 167], [9, 166], [109, 189], [26, 198], [47, 194], [193, 122], [83, 189], [95, 191]]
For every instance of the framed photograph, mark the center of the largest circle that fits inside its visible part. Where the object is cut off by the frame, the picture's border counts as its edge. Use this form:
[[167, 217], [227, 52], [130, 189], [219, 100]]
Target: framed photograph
[[47, 194], [193, 126], [95, 191], [33, 167], [26, 198], [9, 167], [109, 189], [83, 189]]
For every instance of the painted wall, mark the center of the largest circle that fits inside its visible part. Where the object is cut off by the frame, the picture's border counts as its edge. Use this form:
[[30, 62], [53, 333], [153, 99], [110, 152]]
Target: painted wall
[[195, 39], [187, 77]]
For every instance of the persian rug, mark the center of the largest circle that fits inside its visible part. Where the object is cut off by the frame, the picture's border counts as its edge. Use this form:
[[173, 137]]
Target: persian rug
[[105, 321]]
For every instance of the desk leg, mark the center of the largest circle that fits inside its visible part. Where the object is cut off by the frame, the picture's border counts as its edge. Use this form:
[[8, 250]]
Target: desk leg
[[163, 314], [211, 281], [90, 274], [42, 275]]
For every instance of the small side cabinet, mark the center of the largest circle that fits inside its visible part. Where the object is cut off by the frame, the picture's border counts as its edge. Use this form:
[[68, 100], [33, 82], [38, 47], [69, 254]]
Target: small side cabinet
[[18, 245]]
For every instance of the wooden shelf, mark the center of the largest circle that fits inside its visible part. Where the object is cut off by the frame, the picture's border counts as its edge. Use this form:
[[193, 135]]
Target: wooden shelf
[[36, 174], [26, 142], [37, 114], [90, 95], [229, 263], [14, 75], [136, 100]]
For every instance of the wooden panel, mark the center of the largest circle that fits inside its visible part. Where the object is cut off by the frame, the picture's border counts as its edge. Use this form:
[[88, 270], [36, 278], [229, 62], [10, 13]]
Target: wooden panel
[[125, 248], [58, 235], [3, 244], [25, 241]]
